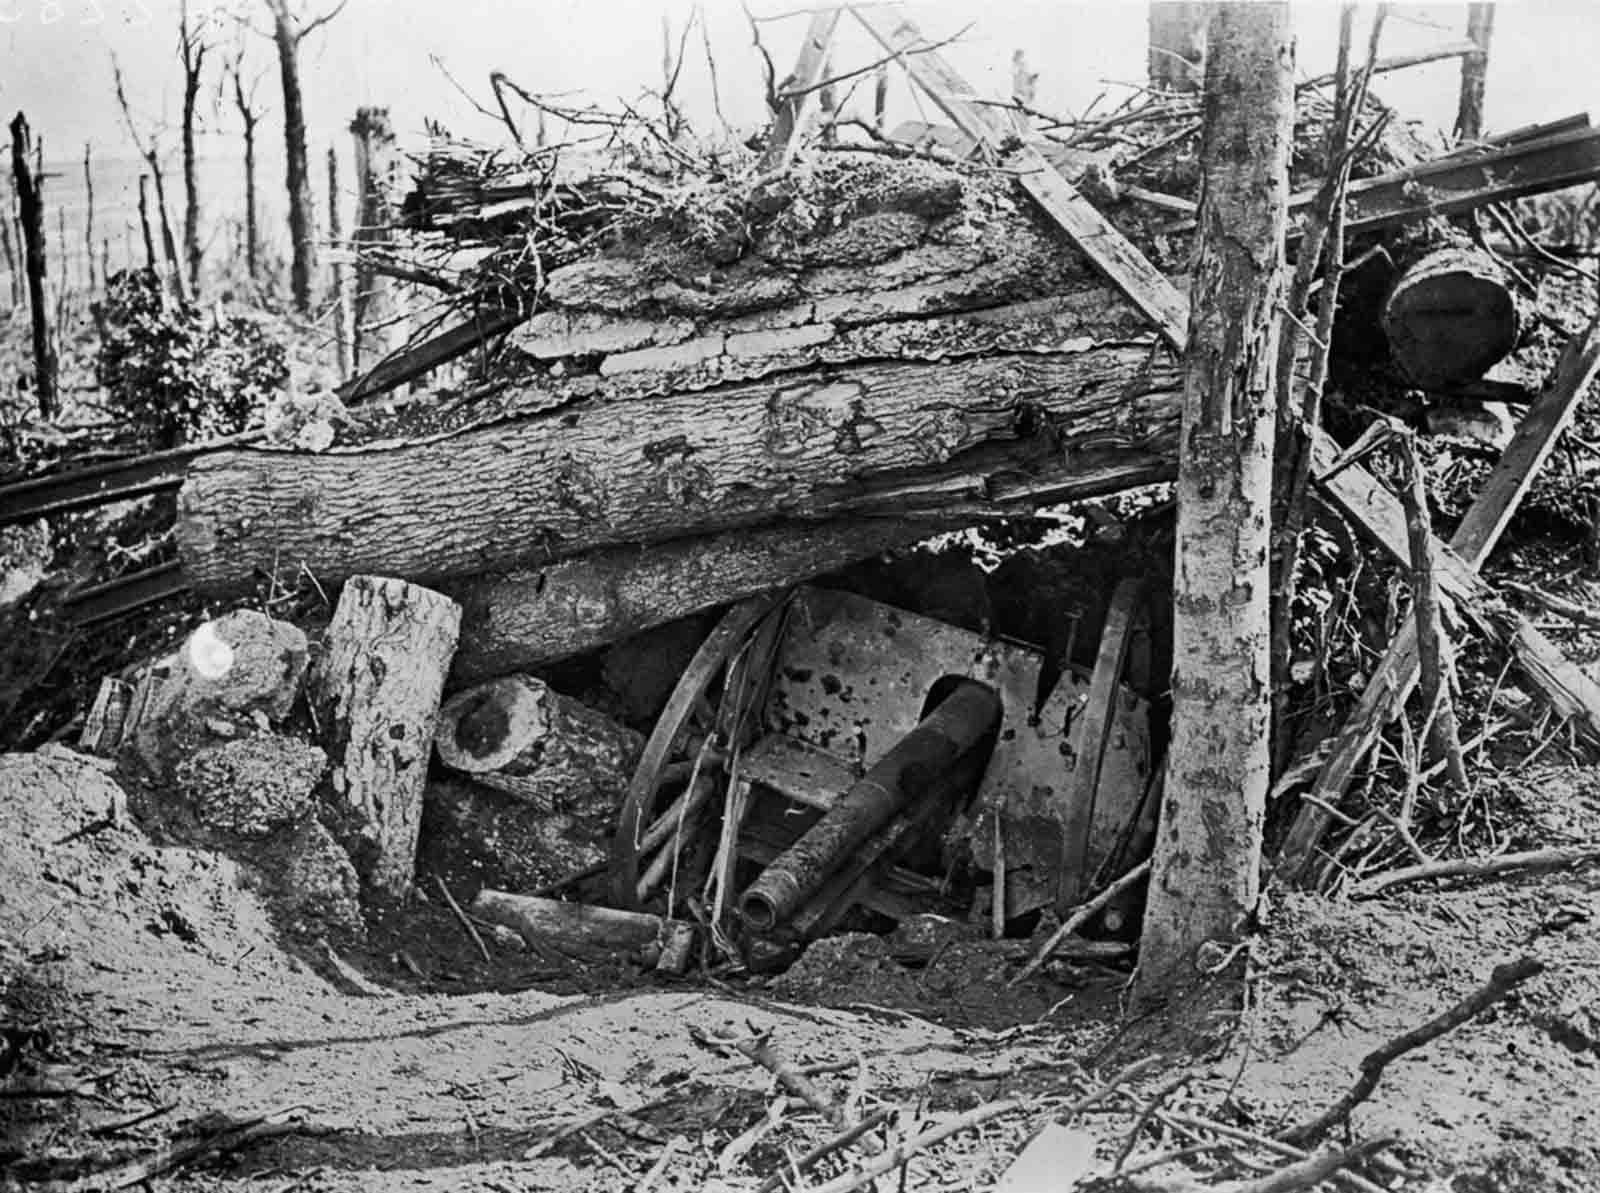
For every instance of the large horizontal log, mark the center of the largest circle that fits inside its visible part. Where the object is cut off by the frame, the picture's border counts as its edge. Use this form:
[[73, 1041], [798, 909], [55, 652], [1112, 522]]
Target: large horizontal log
[[984, 434], [535, 616]]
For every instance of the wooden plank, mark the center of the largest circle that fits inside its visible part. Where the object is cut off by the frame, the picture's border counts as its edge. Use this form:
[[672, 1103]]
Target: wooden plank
[[1530, 447], [796, 99], [1099, 240]]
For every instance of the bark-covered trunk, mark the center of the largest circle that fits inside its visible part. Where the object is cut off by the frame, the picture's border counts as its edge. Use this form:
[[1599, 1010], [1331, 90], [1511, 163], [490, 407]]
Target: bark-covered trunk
[[302, 222], [1206, 869], [31, 212], [1007, 430], [1177, 45], [376, 312]]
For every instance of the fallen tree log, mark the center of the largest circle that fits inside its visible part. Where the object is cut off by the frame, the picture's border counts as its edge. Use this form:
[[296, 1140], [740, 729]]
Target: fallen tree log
[[520, 736], [536, 616], [989, 433]]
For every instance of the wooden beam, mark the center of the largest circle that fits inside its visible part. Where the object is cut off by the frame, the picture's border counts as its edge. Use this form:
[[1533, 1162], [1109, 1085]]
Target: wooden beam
[[796, 97], [1468, 179]]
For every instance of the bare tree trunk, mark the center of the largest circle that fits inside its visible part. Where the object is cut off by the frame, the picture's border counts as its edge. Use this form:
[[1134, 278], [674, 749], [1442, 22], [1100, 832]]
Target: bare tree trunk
[[1205, 874], [192, 53], [1474, 71], [248, 116], [376, 310], [302, 222], [169, 243], [144, 221], [32, 208], [341, 309], [88, 219], [1177, 44]]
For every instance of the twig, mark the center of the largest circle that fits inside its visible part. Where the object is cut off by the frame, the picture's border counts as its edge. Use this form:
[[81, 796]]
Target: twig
[[1502, 981], [826, 1148], [1558, 858], [660, 1166], [1151, 1106], [896, 1156], [1350, 1180], [472, 929], [1080, 917], [1313, 1170], [757, 1047]]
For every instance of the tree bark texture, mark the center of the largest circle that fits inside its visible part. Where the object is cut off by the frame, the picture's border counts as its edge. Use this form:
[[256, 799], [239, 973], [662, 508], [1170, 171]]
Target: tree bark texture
[[30, 206], [376, 691], [1206, 867], [340, 296], [302, 221], [537, 616], [520, 736], [375, 308]]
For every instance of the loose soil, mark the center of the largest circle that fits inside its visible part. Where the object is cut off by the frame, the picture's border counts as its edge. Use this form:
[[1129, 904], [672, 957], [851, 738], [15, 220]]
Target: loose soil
[[147, 991]]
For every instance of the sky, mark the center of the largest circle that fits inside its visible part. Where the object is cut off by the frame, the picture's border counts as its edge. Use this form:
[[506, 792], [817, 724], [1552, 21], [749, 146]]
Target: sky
[[55, 58]]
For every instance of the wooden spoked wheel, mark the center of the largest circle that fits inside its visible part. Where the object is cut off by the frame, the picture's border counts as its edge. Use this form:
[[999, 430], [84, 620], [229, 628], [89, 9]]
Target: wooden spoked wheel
[[681, 769]]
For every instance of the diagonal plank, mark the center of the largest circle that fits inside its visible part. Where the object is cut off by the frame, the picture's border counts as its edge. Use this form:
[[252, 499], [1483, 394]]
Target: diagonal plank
[[1145, 286], [1364, 500], [1568, 689], [797, 98]]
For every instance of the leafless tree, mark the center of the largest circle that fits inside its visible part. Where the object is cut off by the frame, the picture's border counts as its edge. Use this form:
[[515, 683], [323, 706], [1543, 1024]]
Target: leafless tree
[[289, 30]]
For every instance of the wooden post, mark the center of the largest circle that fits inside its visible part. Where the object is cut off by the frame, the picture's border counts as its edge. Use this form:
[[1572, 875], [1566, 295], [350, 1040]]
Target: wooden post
[[341, 297], [31, 202], [376, 692], [377, 308], [1474, 71], [1205, 874]]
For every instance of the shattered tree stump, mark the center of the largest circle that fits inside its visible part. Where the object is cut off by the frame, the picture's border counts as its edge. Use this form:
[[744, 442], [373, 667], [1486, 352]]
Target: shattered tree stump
[[376, 691], [520, 736]]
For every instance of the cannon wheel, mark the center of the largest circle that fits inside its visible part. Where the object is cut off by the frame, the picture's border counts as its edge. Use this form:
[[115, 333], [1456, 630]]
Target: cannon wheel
[[671, 760]]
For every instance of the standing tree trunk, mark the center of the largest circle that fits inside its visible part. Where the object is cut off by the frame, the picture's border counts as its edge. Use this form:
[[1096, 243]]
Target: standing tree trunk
[[169, 243], [302, 223], [248, 116], [341, 308], [144, 222], [1205, 874], [376, 310], [1474, 71], [1177, 44], [88, 219], [31, 203], [192, 53]]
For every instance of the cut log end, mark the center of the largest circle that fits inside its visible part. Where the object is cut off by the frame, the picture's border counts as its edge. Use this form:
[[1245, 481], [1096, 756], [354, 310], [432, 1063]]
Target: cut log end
[[1450, 318], [486, 727]]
